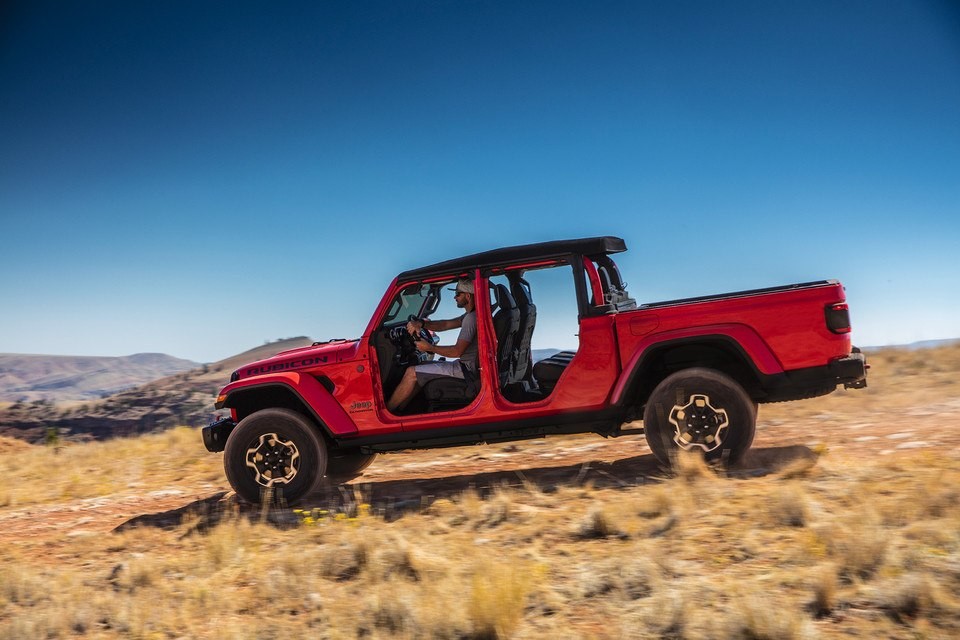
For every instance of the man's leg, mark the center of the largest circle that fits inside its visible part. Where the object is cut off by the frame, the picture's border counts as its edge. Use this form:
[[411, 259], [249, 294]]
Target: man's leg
[[404, 391]]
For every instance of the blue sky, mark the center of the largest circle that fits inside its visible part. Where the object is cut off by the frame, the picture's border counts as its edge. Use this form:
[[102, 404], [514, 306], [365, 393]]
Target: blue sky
[[196, 178]]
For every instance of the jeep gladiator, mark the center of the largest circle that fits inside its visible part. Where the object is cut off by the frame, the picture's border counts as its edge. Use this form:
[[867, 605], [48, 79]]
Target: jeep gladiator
[[695, 371]]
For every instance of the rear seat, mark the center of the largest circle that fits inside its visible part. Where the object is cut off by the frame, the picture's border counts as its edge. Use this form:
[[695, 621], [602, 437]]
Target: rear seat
[[549, 370]]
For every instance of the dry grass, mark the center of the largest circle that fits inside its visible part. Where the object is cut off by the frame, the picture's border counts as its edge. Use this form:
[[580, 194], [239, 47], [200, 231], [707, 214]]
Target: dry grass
[[170, 460], [833, 547], [898, 379], [699, 555]]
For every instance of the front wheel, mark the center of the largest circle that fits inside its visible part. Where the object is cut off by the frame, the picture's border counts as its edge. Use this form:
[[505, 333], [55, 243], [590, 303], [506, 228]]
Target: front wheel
[[699, 409], [274, 452]]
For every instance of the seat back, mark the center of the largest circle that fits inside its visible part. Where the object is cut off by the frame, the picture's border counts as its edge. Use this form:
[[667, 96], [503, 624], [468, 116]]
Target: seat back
[[548, 371], [522, 367], [506, 322]]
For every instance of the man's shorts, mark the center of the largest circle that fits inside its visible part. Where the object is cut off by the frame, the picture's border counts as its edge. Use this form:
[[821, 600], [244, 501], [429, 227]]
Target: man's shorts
[[440, 369]]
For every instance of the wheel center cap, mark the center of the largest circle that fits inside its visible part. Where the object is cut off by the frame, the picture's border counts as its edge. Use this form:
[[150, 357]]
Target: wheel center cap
[[698, 424], [274, 461]]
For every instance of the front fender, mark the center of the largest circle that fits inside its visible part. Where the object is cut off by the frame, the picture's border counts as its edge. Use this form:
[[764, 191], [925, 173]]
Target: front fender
[[307, 389]]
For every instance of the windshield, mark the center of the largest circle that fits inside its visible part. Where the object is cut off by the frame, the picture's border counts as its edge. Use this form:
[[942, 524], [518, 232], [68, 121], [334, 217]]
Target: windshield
[[409, 302]]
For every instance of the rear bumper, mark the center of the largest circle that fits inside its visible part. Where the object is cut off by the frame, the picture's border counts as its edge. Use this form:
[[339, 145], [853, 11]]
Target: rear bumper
[[851, 371], [215, 434], [799, 384]]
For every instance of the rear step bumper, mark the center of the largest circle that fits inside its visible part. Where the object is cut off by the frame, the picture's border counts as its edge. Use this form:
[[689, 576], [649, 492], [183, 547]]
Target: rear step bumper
[[851, 370]]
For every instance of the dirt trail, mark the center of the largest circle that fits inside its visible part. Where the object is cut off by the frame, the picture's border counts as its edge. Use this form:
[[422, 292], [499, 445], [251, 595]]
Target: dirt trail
[[403, 481]]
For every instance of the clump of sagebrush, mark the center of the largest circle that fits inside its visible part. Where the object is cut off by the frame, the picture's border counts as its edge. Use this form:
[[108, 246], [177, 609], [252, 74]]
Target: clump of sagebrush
[[824, 590], [788, 505], [597, 524], [625, 578], [497, 597], [496, 510], [910, 596], [389, 610], [666, 615], [345, 560], [859, 544], [690, 466], [395, 558], [471, 507], [655, 501], [759, 617]]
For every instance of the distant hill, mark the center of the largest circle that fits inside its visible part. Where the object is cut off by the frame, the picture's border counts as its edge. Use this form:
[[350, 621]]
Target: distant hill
[[923, 344], [186, 397], [27, 377]]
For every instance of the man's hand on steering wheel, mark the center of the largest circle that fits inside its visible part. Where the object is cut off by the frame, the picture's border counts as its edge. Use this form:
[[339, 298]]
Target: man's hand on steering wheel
[[421, 337], [414, 326]]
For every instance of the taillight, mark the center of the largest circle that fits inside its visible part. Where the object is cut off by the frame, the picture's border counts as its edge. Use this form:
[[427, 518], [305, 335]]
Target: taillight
[[838, 317]]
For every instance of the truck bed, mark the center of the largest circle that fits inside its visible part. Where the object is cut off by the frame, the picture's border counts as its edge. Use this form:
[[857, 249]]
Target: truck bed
[[739, 294]]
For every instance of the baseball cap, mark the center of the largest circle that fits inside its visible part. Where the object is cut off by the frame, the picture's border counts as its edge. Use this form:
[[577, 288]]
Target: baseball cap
[[464, 286]]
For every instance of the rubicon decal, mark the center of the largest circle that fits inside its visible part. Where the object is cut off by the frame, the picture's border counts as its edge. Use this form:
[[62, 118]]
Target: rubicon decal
[[285, 366]]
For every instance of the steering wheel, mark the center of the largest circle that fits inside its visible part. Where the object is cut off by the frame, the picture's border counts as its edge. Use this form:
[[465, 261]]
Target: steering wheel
[[423, 334], [407, 352]]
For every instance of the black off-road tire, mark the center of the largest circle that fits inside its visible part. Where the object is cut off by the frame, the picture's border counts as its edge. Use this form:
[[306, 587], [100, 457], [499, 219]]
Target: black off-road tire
[[275, 453], [699, 409], [344, 468]]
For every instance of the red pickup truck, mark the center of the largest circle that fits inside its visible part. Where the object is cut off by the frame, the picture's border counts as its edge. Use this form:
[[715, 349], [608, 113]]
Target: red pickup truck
[[694, 370]]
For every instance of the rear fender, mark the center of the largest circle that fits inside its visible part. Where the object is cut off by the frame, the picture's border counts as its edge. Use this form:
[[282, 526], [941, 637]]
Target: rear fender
[[741, 339], [315, 399]]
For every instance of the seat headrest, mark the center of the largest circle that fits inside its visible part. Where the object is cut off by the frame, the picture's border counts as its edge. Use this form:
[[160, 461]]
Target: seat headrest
[[521, 296], [504, 299], [605, 279]]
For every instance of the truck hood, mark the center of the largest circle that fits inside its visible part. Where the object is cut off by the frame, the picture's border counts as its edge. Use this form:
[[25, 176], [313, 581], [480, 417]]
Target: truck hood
[[318, 355]]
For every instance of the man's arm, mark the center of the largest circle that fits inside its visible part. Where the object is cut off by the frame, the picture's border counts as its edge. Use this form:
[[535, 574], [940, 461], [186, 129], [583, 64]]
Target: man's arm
[[452, 351], [435, 325]]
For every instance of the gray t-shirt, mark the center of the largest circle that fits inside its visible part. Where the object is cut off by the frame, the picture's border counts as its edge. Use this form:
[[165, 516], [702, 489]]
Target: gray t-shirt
[[468, 332]]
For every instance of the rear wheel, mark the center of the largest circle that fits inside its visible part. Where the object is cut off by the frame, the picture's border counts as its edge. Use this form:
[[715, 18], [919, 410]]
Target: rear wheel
[[345, 468], [699, 409], [275, 452]]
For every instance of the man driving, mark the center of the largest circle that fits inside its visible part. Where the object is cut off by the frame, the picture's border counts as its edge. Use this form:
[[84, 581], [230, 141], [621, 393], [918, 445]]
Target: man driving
[[465, 349]]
